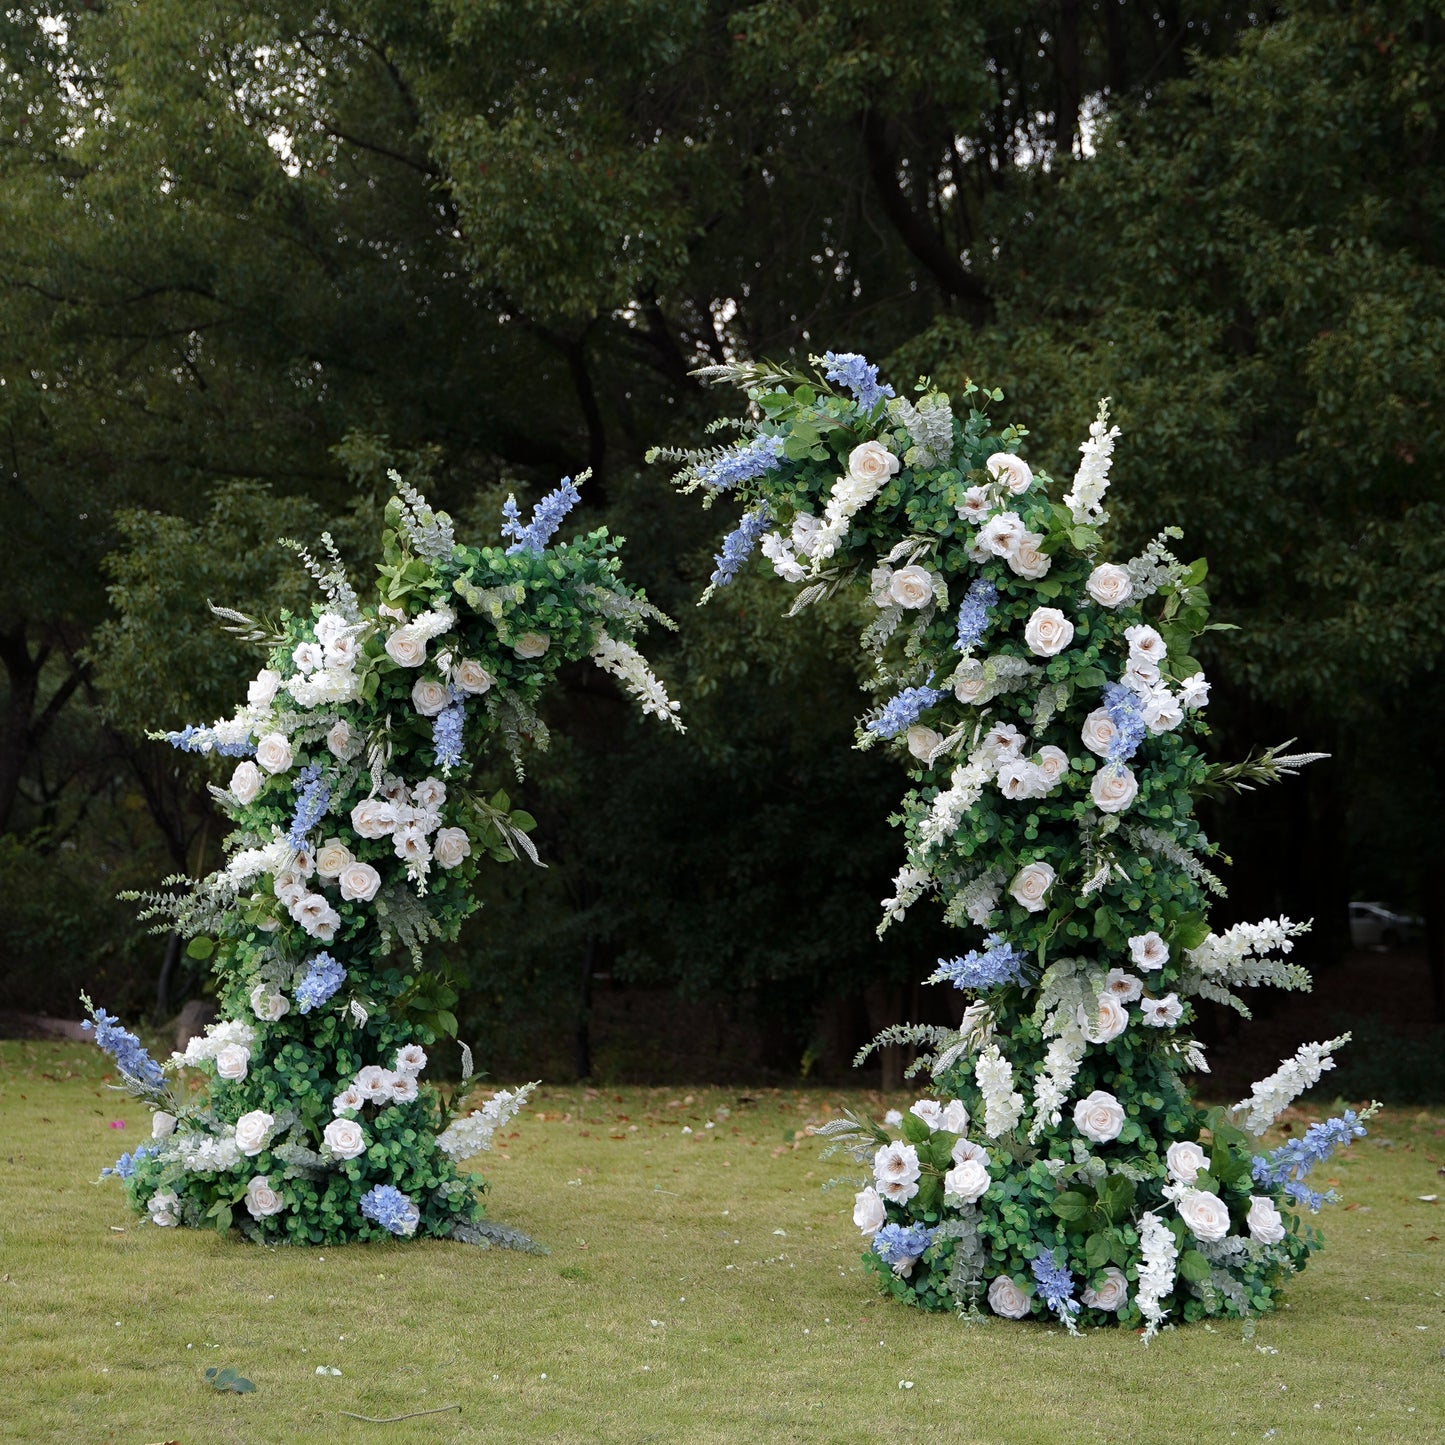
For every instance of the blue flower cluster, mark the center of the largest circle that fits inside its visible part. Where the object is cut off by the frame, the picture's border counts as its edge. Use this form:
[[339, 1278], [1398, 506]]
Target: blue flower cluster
[[323, 977], [998, 964], [128, 1052], [546, 518], [1056, 1285], [311, 804], [1126, 712], [192, 739], [124, 1167], [849, 369], [901, 712], [390, 1208], [446, 733], [1288, 1166], [975, 613], [738, 545], [742, 463], [895, 1242]]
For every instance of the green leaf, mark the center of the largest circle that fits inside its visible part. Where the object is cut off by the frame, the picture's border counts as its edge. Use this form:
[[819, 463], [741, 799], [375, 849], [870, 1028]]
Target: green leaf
[[1193, 1267], [1071, 1205], [201, 947], [914, 1129], [1097, 1250]]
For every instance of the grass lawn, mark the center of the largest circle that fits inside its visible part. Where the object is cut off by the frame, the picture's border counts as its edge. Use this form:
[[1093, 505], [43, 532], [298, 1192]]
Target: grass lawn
[[701, 1287]]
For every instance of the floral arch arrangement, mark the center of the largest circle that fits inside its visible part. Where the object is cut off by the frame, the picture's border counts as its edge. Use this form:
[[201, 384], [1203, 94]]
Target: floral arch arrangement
[[358, 829], [1046, 702]]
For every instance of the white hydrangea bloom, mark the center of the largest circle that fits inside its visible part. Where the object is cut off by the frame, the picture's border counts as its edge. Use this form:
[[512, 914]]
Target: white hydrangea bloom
[[1003, 1108]]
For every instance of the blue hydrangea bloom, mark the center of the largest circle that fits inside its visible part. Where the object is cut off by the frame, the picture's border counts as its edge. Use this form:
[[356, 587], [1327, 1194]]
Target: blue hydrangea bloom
[[738, 545], [741, 463], [314, 798], [390, 1208], [1126, 712], [1288, 1166], [895, 1242], [128, 1052], [975, 612], [999, 963], [124, 1167], [901, 712], [1056, 1285], [849, 369], [446, 733], [546, 518], [322, 978], [192, 739]]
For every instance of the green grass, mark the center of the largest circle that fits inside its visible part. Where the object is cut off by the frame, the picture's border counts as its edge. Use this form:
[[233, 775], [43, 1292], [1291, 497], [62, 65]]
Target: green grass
[[700, 1288]]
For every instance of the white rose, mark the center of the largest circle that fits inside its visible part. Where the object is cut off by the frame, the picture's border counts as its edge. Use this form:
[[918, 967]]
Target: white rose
[[411, 1060], [1148, 951], [1003, 740], [164, 1208], [289, 889], [1194, 691], [261, 1199], [976, 505], [430, 793], [966, 1149], [1031, 884], [329, 626], [429, 697], [1110, 1020], [969, 686], [263, 688], [1206, 1214], [252, 1131], [374, 818], [406, 647], [348, 1101], [317, 917], [1053, 763], [307, 656], [1162, 1013], [332, 857], [1112, 1295], [1109, 585], [232, 1061], [531, 644], [359, 882], [342, 652], [872, 464], [1114, 788], [267, 1005], [452, 845], [1007, 1299], [930, 1111], [1124, 986], [410, 845], [895, 1171], [1048, 632], [471, 677], [1019, 778], [955, 1117], [1161, 711], [400, 1088], [273, 752], [966, 1183], [373, 1082], [344, 743], [1099, 732], [344, 1138], [1141, 676], [246, 781], [922, 741], [1014, 472], [1026, 560], [163, 1125], [868, 1212], [1186, 1160], [999, 536], [1099, 1117], [1265, 1223], [1145, 643], [911, 587]]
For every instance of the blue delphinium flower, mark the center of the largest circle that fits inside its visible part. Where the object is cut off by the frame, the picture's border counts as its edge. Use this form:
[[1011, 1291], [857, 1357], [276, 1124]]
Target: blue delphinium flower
[[738, 545], [1056, 1286], [546, 518], [314, 798], [128, 1052], [741, 463], [901, 712], [975, 612], [849, 369], [999, 963], [322, 978], [390, 1208], [124, 1167], [446, 733], [192, 739], [1126, 712], [895, 1242], [1288, 1166]]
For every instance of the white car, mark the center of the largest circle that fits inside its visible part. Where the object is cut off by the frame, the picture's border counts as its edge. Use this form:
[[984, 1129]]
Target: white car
[[1372, 925]]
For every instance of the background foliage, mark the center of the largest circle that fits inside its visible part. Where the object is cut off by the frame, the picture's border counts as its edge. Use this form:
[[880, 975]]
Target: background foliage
[[251, 255]]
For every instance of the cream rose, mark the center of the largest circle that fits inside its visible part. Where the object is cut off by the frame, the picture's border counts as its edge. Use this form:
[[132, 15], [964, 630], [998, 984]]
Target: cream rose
[[1111, 1294], [1048, 632], [164, 1208], [1148, 951], [273, 753], [261, 1199], [252, 1132], [348, 1101], [452, 845], [373, 1082], [406, 647], [966, 1183], [1031, 885], [531, 644], [1186, 1160], [922, 741], [1110, 1019], [343, 743], [263, 688], [359, 882], [342, 652], [430, 793], [429, 697], [1007, 1299], [1026, 560], [374, 818], [232, 1061], [1098, 732], [868, 1212], [268, 1005], [1099, 1117], [1013, 472], [999, 536], [471, 677], [1053, 763], [1109, 585], [344, 1138], [911, 587], [163, 1125], [332, 856], [969, 686], [1265, 1223], [1161, 711], [871, 463], [1206, 1214], [1114, 788], [246, 782]]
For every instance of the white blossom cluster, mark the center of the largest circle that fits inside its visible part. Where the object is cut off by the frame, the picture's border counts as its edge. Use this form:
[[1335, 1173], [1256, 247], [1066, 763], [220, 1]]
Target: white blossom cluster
[[1002, 1107], [471, 1135], [1238, 955], [630, 668], [870, 465], [1156, 1270], [1086, 498], [964, 790], [1272, 1096], [374, 1084]]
